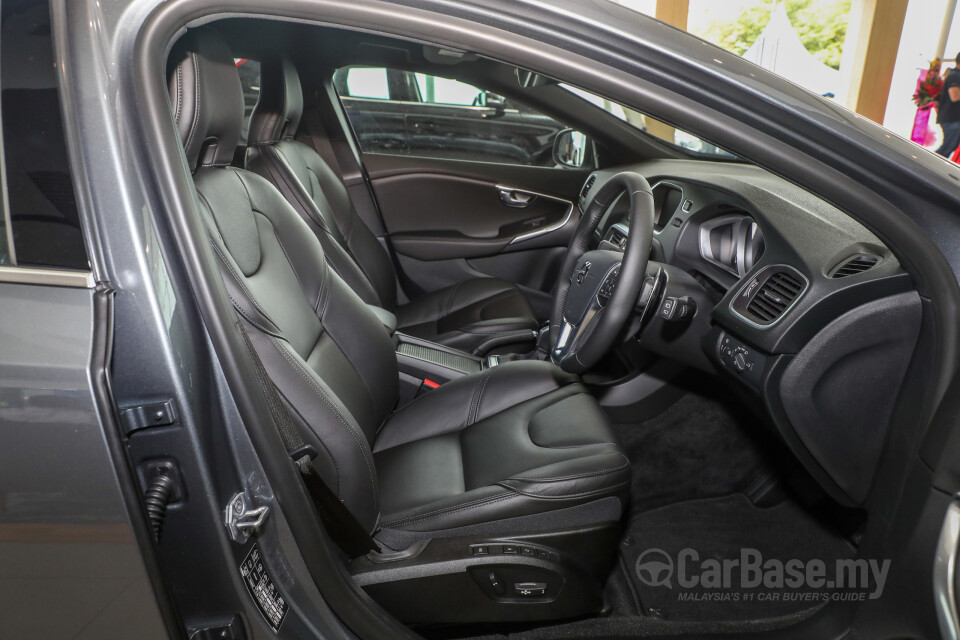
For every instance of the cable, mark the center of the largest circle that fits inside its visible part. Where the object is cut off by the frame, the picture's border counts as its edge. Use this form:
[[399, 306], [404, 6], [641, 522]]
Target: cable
[[157, 497]]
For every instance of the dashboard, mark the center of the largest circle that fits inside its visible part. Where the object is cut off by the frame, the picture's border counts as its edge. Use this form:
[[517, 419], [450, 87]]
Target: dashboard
[[805, 311]]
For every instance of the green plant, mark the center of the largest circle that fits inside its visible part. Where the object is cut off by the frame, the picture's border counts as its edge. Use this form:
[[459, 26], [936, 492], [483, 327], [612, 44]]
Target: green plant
[[820, 24]]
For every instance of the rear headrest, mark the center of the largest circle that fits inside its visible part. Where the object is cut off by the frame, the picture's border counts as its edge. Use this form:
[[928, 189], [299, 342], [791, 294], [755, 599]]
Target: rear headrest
[[207, 98], [278, 112]]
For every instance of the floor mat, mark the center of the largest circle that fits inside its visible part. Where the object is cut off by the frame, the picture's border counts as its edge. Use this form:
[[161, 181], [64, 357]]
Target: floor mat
[[705, 445], [674, 559]]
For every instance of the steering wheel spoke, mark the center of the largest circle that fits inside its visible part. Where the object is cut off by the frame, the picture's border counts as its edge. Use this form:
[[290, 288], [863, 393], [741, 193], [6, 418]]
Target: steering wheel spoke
[[604, 286]]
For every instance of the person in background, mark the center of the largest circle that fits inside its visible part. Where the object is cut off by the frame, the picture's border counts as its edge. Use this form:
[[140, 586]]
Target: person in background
[[948, 111]]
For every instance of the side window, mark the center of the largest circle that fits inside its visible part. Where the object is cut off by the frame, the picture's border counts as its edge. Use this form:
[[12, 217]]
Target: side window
[[446, 91], [39, 202], [401, 112]]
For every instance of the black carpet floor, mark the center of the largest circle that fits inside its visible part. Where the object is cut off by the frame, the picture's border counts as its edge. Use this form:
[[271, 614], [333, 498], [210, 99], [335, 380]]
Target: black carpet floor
[[719, 530], [707, 444]]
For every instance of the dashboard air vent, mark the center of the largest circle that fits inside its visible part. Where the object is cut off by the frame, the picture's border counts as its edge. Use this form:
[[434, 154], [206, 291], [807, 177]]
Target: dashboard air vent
[[768, 296], [854, 265], [587, 186], [618, 237]]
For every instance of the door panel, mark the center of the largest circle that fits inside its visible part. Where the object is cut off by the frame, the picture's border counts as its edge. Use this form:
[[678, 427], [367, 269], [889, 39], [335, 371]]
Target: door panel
[[70, 564], [438, 217], [453, 220]]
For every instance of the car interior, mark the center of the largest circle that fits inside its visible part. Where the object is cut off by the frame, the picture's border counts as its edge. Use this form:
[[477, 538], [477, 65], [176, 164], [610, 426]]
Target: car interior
[[524, 335]]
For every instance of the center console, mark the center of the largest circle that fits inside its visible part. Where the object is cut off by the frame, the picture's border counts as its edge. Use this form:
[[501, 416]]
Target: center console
[[425, 365]]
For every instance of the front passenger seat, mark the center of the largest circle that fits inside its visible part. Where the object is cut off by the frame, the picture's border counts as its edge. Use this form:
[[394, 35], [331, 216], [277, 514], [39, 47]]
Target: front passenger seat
[[472, 315]]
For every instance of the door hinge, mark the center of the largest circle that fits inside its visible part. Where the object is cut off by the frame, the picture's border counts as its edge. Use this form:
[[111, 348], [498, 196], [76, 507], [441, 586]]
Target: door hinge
[[242, 518]]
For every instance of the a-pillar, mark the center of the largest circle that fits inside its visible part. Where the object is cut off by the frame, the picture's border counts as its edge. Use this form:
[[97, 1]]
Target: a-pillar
[[673, 12]]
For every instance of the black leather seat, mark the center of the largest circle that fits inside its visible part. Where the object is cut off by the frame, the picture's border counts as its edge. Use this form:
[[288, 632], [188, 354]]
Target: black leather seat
[[517, 448], [464, 316]]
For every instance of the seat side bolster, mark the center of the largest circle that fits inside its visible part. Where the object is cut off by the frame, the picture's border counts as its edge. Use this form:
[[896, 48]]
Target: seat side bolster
[[464, 401], [603, 472], [328, 426]]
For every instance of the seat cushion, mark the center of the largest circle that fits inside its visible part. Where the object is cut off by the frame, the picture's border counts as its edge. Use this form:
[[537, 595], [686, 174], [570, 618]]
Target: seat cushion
[[467, 314], [519, 439]]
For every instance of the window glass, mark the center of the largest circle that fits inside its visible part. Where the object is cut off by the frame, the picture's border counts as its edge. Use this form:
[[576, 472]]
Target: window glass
[[39, 195], [432, 116], [363, 82], [446, 91], [652, 126]]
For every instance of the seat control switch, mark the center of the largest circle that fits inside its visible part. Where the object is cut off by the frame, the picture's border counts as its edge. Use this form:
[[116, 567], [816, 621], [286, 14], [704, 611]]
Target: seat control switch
[[530, 589], [496, 584]]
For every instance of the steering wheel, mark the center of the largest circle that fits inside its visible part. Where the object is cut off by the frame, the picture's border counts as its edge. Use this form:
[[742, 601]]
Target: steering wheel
[[595, 301]]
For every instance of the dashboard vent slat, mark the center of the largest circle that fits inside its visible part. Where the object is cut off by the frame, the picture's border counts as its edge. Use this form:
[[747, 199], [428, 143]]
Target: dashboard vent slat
[[854, 265], [770, 296], [587, 186], [618, 238]]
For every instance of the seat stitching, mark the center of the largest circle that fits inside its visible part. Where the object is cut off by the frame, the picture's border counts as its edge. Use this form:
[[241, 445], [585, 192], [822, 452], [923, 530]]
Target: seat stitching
[[472, 410], [196, 111], [626, 465], [240, 283], [323, 396], [562, 496], [324, 290], [179, 111], [252, 321], [448, 303], [451, 509], [483, 387]]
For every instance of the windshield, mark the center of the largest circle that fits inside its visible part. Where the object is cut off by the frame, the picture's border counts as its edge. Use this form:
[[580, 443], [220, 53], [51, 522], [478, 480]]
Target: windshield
[[653, 127]]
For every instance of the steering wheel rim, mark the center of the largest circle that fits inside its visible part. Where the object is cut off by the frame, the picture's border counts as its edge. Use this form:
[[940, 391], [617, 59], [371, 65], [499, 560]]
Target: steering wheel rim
[[585, 322]]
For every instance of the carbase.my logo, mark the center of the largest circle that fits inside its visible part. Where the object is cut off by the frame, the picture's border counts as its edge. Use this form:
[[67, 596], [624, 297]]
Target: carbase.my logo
[[655, 568]]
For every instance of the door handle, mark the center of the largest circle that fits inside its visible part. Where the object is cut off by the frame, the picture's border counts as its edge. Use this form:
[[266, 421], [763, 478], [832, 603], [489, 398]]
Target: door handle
[[515, 198]]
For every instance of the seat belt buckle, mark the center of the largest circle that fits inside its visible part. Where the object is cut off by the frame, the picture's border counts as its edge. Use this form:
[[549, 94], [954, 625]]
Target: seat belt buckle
[[426, 386], [303, 450]]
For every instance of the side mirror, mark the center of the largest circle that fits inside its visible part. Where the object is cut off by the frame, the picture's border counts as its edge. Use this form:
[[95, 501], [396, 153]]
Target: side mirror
[[492, 101], [572, 149]]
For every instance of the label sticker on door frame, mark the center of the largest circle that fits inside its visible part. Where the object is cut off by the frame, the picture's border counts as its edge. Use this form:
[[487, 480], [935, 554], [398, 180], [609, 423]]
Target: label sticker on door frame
[[264, 592]]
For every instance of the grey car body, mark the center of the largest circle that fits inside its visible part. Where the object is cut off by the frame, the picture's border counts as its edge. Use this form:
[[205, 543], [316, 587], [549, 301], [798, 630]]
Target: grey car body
[[140, 328]]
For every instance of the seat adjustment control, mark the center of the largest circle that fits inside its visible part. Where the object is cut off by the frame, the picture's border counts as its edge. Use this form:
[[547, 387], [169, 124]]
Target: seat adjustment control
[[496, 584], [530, 589]]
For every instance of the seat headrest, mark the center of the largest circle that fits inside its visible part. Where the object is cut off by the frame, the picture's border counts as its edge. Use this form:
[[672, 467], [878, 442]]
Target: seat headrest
[[278, 112], [207, 98]]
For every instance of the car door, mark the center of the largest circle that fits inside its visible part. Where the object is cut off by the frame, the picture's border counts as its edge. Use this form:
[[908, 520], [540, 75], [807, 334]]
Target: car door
[[70, 562], [465, 179]]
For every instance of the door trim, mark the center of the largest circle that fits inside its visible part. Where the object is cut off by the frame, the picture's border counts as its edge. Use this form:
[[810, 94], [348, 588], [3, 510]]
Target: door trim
[[547, 229], [51, 277]]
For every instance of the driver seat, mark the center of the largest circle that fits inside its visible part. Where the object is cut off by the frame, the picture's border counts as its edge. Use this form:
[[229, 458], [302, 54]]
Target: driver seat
[[519, 453], [475, 315]]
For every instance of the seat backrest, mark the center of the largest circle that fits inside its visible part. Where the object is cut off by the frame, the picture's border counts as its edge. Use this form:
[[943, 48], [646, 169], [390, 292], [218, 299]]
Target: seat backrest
[[328, 354], [313, 188]]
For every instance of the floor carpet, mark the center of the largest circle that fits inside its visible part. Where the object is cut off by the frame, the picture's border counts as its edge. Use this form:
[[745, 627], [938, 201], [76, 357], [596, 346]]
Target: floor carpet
[[718, 531]]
